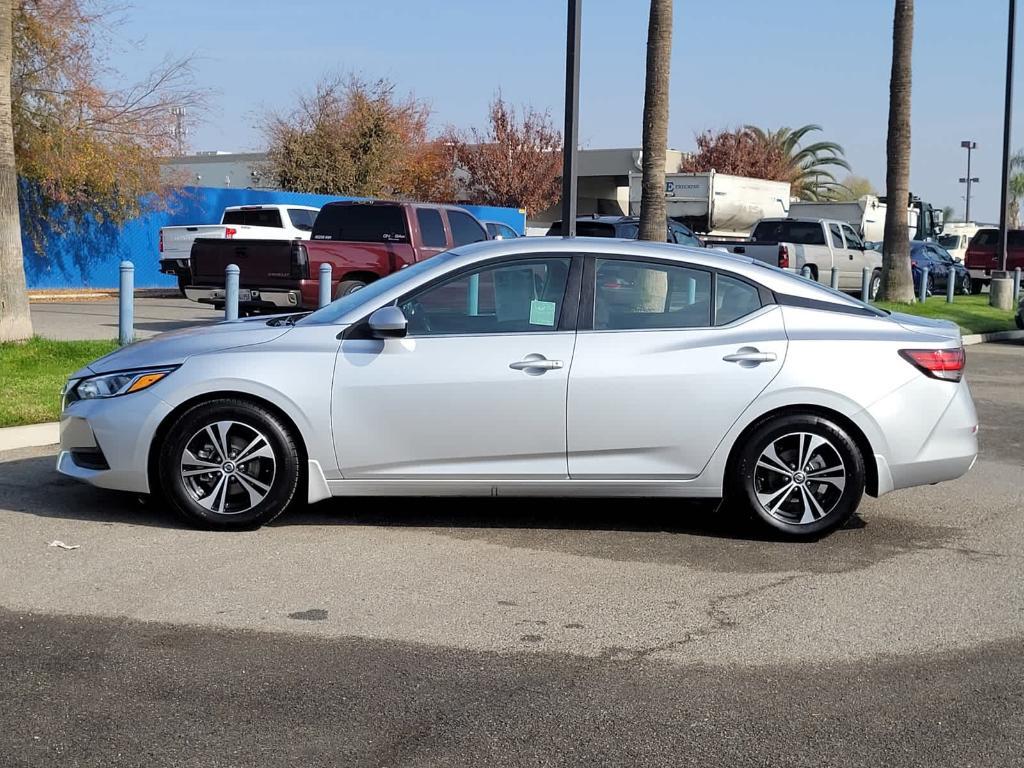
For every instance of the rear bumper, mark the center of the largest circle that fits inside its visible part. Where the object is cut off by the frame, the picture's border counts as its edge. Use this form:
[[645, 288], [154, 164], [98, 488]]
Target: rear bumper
[[980, 274], [175, 266], [248, 297]]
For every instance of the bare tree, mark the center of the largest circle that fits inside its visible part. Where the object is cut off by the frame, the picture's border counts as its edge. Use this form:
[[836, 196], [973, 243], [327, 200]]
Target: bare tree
[[897, 280], [15, 321], [653, 221], [516, 161]]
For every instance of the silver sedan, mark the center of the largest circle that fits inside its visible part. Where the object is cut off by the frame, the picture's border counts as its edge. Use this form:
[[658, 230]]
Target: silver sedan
[[537, 367]]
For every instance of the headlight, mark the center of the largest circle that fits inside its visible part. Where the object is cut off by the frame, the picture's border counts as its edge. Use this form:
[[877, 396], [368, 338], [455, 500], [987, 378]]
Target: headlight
[[113, 384]]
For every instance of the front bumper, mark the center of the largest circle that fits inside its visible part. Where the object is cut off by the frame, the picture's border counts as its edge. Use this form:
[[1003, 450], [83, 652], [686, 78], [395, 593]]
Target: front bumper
[[247, 297], [105, 442]]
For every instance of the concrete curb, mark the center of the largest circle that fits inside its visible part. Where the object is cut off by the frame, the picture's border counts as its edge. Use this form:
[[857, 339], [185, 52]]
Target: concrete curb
[[981, 338], [29, 436]]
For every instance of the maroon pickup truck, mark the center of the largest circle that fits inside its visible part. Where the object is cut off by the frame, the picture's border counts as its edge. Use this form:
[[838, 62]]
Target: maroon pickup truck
[[362, 241]]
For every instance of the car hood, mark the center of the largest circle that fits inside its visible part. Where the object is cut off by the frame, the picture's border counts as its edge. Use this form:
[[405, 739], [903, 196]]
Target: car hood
[[946, 329], [173, 347]]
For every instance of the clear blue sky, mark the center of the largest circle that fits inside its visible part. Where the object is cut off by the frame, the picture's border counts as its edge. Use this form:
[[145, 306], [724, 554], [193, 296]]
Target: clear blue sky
[[787, 62]]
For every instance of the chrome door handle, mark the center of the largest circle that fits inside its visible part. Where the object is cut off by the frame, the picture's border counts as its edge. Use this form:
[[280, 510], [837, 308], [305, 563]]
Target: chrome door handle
[[535, 363], [751, 356]]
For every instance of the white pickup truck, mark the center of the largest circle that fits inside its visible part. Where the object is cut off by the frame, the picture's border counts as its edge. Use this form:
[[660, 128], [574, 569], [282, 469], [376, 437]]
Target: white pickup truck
[[241, 222], [817, 243]]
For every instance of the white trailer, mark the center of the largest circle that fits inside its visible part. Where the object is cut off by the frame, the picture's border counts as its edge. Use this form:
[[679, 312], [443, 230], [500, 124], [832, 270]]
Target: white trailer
[[866, 215], [717, 204]]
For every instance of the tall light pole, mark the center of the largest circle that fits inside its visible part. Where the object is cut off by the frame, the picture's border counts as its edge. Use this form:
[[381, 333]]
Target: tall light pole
[[969, 146], [1007, 108], [570, 136]]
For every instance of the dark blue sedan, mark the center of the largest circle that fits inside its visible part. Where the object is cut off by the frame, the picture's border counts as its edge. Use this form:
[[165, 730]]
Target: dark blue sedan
[[941, 266]]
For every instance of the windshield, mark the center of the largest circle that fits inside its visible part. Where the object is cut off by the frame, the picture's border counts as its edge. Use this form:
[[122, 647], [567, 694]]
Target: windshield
[[949, 241], [828, 293], [341, 307]]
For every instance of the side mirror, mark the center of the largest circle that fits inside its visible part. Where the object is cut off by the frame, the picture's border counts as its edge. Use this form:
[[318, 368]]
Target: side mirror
[[388, 323]]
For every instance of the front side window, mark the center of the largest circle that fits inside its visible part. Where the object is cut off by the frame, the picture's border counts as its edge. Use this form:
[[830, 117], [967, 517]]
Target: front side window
[[837, 237], [631, 295], [852, 238], [431, 227], [521, 296], [465, 229]]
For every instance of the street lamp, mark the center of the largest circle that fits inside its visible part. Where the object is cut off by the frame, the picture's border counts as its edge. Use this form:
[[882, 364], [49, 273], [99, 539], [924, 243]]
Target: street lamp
[[1007, 110], [969, 146], [572, 108]]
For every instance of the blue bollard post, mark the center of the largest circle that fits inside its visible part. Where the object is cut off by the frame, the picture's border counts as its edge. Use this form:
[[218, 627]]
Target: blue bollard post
[[806, 272], [950, 286], [924, 286], [1016, 283], [865, 285], [835, 278], [126, 304], [231, 292], [325, 284]]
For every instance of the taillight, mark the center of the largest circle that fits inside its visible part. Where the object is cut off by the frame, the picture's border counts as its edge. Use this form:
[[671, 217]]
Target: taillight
[[300, 262], [945, 364], [230, 232], [783, 257], [161, 241]]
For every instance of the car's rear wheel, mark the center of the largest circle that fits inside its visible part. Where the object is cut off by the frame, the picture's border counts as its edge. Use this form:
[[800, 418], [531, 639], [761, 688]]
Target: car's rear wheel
[[229, 464], [801, 474], [345, 287], [977, 286]]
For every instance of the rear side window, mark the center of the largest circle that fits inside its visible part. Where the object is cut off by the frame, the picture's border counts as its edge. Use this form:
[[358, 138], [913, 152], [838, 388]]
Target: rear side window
[[259, 217], [431, 227], [465, 229], [302, 219], [734, 299], [800, 232], [361, 224], [632, 295]]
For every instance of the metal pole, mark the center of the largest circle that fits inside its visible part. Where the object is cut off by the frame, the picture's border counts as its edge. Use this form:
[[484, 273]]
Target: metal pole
[[1016, 283], [325, 284], [834, 281], [570, 136], [967, 212], [231, 292], [950, 286], [126, 304], [865, 285], [1007, 110], [924, 286]]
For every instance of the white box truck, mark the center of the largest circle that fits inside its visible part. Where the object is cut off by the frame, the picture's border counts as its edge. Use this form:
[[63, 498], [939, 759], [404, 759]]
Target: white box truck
[[867, 216], [717, 204]]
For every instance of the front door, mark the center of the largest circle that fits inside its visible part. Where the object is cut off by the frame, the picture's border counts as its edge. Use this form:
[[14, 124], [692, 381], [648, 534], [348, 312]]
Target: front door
[[476, 390], [668, 360]]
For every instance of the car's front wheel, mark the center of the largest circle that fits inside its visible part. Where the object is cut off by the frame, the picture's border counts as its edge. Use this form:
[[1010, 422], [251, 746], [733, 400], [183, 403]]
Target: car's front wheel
[[229, 464], [801, 474]]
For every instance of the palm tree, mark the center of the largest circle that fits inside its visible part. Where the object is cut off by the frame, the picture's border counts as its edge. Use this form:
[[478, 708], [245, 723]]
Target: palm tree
[[897, 282], [15, 320], [653, 224], [1016, 187], [807, 168]]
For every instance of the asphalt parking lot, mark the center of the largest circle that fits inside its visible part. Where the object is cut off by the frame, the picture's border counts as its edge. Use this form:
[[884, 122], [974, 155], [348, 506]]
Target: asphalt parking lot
[[542, 632], [97, 318]]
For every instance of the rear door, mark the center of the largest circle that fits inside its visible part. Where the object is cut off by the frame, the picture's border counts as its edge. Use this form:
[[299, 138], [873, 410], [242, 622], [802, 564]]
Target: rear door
[[432, 236], [667, 358]]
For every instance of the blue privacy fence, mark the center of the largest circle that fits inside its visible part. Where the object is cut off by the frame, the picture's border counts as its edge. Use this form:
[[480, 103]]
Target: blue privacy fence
[[89, 256]]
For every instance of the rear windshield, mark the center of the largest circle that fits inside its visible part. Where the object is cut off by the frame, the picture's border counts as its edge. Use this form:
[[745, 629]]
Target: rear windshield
[[258, 217], [989, 238], [597, 229], [799, 232], [361, 224]]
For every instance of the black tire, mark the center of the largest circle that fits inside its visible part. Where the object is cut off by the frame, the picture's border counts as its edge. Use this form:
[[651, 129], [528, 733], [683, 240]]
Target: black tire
[[345, 287], [875, 286], [930, 288], [184, 279], [233, 509], [977, 286], [964, 285], [759, 491]]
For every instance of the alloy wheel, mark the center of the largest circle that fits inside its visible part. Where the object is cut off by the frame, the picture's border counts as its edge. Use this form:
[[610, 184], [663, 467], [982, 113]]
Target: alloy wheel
[[228, 467], [799, 478]]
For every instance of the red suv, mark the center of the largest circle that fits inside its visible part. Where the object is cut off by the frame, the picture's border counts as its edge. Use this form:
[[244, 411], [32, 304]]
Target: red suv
[[983, 255]]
